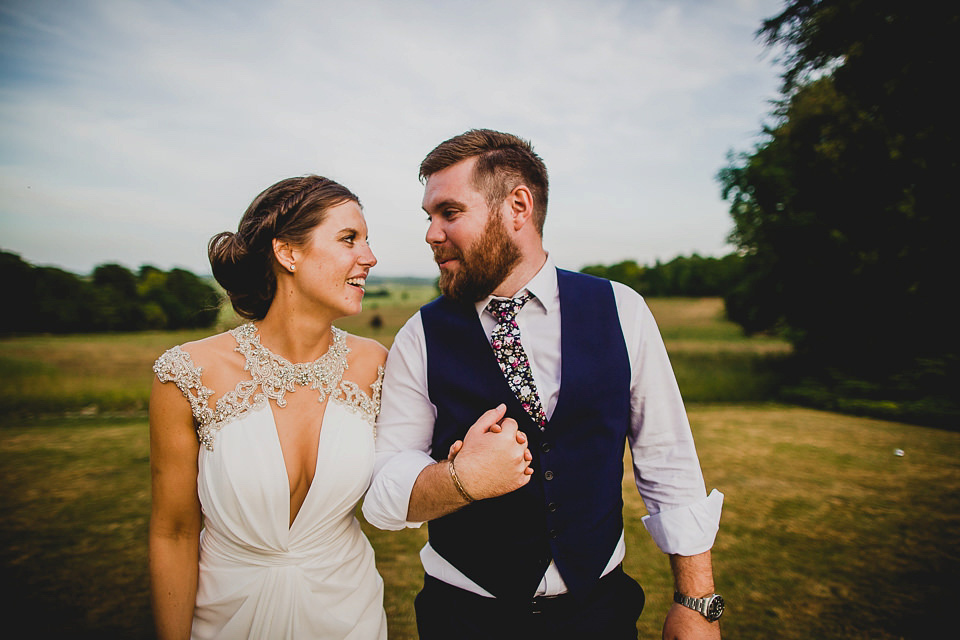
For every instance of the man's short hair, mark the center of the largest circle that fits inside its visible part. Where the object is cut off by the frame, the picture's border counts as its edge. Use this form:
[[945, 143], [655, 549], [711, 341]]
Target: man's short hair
[[504, 162]]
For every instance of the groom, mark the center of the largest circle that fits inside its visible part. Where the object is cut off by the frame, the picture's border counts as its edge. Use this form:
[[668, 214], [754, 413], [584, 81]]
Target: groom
[[506, 406]]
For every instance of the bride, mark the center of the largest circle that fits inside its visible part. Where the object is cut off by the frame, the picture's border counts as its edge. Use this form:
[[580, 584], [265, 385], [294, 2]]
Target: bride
[[263, 445]]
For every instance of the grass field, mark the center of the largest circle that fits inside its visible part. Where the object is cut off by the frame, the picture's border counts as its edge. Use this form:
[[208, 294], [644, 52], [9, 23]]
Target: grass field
[[110, 373], [826, 532]]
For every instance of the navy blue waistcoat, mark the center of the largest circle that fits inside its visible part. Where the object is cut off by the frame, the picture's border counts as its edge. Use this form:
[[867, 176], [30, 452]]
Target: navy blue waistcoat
[[572, 509]]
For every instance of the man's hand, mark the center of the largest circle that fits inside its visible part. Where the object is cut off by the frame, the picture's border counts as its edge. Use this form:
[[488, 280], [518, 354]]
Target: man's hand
[[493, 458], [686, 624], [496, 428]]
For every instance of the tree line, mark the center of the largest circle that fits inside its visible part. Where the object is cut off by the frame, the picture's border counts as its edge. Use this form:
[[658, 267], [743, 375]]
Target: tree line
[[693, 276], [843, 212], [112, 298]]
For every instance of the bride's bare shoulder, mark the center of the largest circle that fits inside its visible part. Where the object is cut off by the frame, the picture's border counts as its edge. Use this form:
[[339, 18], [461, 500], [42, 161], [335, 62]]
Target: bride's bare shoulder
[[215, 350], [366, 356]]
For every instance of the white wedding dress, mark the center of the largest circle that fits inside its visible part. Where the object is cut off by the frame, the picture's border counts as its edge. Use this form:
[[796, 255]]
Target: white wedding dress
[[260, 576]]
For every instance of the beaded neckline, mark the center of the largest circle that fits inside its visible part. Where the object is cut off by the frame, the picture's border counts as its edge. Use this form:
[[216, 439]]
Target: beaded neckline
[[271, 376], [276, 375]]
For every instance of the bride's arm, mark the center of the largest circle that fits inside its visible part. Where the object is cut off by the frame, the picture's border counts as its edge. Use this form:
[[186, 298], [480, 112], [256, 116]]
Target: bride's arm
[[175, 518]]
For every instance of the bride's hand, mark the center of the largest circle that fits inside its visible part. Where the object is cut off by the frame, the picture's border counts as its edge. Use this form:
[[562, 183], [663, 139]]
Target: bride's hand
[[496, 428], [494, 458], [454, 450]]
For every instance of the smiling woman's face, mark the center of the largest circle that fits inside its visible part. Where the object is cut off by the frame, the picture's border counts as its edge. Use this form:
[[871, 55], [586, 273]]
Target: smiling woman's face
[[332, 268]]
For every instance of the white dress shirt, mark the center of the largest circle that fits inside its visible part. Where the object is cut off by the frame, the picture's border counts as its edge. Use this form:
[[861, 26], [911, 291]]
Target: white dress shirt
[[682, 518]]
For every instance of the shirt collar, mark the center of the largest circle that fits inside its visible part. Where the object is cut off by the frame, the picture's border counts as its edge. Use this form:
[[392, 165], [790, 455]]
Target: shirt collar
[[543, 286]]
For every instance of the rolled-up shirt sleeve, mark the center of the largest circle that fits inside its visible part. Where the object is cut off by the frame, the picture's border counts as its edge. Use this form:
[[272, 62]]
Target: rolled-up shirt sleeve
[[404, 431], [682, 519], [687, 530]]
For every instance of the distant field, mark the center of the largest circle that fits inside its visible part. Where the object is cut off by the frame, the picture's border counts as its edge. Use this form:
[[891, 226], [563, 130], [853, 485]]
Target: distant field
[[110, 373], [92, 372], [826, 532]]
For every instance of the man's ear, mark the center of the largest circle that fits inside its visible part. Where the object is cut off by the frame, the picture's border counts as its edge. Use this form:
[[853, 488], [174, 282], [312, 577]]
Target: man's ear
[[520, 202], [285, 254]]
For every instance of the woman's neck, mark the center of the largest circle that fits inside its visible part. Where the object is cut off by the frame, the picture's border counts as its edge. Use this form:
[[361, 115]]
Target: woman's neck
[[298, 337]]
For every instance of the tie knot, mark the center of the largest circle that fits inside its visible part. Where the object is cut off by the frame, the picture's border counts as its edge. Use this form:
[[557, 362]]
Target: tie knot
[[506, 310]]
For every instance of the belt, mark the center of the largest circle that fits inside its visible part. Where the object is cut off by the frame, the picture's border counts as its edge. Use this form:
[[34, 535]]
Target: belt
[[546, 604], [535, 605]]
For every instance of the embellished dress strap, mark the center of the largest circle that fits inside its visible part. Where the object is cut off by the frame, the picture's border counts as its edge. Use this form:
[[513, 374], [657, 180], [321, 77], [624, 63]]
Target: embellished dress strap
[[176, 365], [366, 406]]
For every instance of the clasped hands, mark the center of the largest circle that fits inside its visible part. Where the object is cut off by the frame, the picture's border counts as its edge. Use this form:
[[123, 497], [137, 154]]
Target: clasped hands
[[493, 458]]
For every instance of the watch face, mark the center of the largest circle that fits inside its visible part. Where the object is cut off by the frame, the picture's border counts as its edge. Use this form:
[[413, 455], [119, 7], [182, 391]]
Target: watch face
[[715, 608]]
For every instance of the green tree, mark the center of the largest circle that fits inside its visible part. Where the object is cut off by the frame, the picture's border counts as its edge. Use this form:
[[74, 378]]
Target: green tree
[[627, 272], [51, 300], [842, 213], [20, 281], [63, 303], [117, 302], [695, 276], [176, 299], [199, 303]]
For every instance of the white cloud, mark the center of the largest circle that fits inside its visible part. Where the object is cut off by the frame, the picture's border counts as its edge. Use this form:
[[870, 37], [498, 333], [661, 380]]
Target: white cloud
[[142, 128]]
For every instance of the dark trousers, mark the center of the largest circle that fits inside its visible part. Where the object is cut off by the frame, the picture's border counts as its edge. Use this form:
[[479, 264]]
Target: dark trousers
[[609, 612]]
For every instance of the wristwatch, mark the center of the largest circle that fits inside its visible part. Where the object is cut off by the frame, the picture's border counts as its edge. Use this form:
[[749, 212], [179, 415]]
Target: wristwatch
[[710, 607]]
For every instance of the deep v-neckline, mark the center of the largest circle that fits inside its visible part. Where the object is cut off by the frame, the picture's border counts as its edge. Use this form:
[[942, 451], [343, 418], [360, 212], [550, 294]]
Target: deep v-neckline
[[291, 517], [275, 376]]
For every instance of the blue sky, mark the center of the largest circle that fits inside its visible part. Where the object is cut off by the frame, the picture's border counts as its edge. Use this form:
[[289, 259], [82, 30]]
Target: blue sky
[[133, 131]]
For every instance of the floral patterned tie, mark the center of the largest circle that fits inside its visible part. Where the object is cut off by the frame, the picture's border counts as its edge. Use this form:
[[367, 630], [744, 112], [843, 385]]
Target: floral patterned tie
[[512, 358]]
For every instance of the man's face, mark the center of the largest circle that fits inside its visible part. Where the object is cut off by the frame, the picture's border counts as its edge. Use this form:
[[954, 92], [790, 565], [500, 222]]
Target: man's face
[[469, 240]]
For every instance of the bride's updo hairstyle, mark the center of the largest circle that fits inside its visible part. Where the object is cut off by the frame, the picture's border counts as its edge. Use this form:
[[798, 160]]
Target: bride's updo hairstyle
[[243, 262]]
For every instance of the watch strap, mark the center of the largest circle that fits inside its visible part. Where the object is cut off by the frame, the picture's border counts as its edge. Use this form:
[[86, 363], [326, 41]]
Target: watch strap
[[697, 604], [701, 605]]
